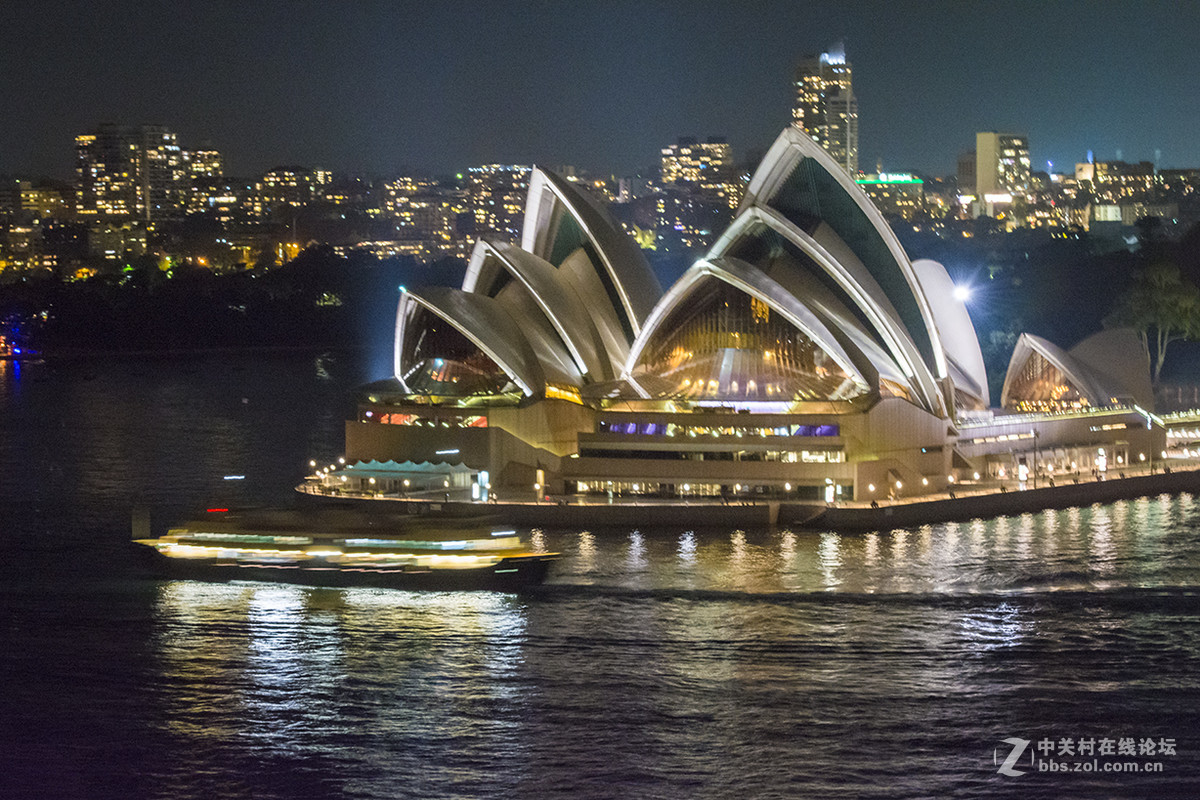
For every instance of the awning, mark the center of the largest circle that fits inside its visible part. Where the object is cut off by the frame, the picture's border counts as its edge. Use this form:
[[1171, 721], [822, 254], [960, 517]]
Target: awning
[[399, 470]]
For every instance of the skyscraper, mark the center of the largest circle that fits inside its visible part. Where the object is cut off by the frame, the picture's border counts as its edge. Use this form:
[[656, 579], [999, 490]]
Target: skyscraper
[[1001, 164], [161, 171], [826, 108], [129, 171], [105, 168]]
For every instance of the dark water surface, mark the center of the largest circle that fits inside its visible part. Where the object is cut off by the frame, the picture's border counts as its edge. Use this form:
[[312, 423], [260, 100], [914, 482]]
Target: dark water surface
[[657, 663]]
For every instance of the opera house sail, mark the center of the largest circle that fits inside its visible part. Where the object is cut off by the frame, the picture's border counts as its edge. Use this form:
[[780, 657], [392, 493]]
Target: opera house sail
[[804, 357]]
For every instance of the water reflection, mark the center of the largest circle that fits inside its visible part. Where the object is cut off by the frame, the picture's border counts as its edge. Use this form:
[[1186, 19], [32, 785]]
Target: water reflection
[[996, 628], [787, 549], [1064, 550], [680, 664], [1023, 546], [1101, 544], [737, 541], [830, 559], [586, 549], [637, 552], [388, 682], [872, 549], [270, 668], [687, 548]]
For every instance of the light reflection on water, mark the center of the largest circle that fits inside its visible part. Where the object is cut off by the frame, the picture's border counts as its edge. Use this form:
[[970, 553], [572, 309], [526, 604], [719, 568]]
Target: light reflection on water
[[687, 548], [1098, 546], [656, 663], [829, 558], [637, 552], [275, 667]]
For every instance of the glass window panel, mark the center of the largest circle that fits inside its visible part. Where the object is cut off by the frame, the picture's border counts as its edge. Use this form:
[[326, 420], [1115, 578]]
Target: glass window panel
[[439, 360], [722, 345]]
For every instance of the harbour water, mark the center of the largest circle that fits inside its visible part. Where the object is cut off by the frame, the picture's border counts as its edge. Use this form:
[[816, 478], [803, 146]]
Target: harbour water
[[670, 663]]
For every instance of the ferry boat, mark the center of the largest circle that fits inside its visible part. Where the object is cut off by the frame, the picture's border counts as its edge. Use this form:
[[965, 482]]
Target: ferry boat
[[340, 548]]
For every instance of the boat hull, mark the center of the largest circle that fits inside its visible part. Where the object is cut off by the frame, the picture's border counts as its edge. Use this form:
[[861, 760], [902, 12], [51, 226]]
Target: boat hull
[[509, 575]]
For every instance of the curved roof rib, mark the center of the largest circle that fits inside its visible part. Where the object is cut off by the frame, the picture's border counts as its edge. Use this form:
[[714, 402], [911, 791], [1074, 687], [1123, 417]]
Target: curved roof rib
[[560, 218], [484, 270], [957, 334], [754, 282], [566, 312], [854, 281], [481, 320], [803, 183]]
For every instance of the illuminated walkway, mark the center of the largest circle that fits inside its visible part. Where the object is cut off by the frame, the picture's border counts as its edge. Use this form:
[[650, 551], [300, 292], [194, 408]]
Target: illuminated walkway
[[971, 501]]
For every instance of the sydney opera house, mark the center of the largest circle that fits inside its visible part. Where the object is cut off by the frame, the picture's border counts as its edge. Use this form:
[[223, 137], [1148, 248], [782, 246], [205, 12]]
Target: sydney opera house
[[804, 357]]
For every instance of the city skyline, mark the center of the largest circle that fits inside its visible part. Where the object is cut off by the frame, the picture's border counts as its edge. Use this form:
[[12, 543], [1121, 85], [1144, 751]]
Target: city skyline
[[386, 87]]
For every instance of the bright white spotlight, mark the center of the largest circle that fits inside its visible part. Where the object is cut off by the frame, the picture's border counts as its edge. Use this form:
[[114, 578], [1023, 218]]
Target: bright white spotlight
[[962, 293]]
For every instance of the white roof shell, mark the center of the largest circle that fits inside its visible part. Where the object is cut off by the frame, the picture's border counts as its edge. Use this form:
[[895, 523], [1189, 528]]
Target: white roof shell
[[1108, 365], [847, 263], [964, 359], [558, 300], [623, 265]]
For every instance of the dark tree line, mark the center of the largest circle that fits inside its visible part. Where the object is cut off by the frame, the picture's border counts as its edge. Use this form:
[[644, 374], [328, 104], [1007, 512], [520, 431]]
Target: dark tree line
[[318, 299]]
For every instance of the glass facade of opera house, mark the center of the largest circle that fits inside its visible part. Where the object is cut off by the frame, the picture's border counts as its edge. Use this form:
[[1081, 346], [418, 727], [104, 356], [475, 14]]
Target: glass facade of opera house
[[805, 357]]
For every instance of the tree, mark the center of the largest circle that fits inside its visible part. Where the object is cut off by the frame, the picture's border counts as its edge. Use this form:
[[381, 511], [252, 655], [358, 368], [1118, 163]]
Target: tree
[[1150, 233], [1162, 306]]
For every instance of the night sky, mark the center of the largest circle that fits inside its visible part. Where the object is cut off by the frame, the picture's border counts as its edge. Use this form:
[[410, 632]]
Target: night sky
[[376, 87]]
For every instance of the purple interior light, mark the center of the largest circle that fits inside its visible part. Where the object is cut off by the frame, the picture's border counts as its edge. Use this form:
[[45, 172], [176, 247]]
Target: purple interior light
[[816, 430]]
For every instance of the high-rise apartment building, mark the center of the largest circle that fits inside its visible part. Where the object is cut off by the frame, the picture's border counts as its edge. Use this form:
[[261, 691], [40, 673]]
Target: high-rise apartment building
[[1118, 181], [496, 194], [205, 163], [129, 172], [1001, 164], [826, 108], [161, 171], [703, 167], [106, 169], [283, 186]]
